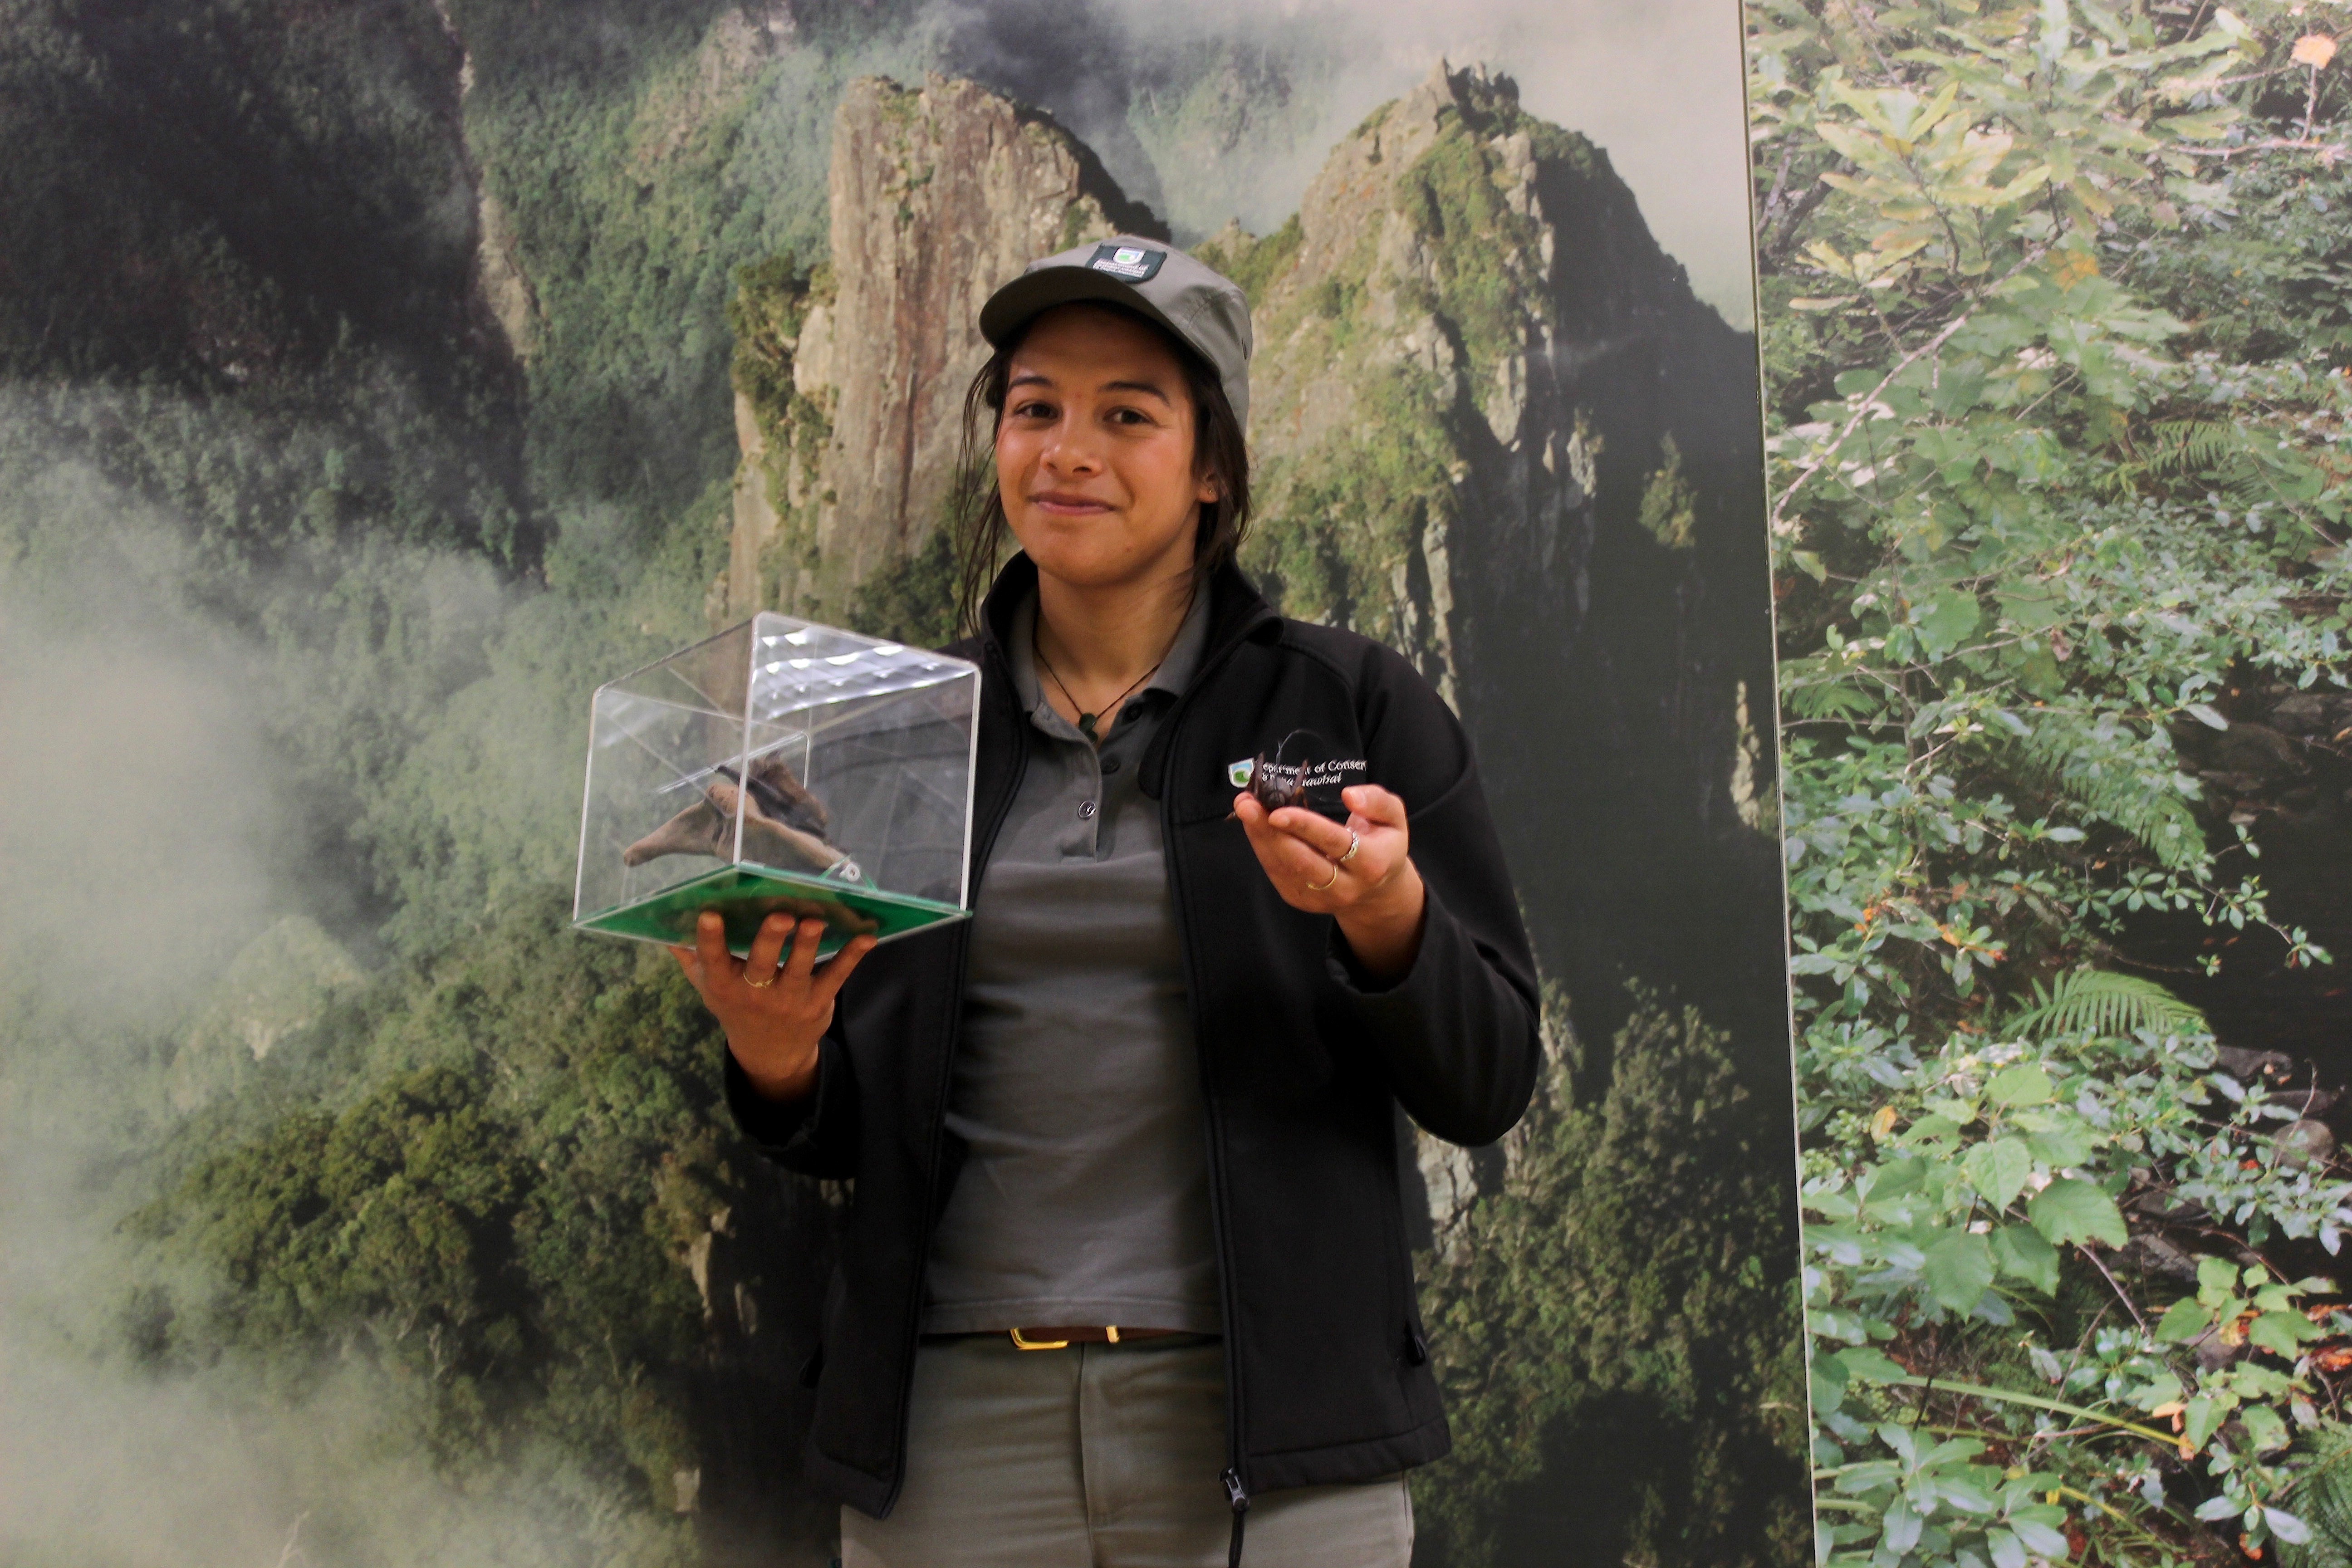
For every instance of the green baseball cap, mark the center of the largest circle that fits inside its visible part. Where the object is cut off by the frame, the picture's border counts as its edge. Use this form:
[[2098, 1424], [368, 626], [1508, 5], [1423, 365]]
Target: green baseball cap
[[1204, 309]]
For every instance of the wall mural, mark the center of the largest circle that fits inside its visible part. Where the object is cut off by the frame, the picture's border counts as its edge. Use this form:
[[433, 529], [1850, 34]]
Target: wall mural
[[376, 383]]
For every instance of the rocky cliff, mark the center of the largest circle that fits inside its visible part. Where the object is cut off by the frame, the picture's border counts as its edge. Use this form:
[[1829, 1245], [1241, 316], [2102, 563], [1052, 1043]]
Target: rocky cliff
[[850, 383], [1496, 429]]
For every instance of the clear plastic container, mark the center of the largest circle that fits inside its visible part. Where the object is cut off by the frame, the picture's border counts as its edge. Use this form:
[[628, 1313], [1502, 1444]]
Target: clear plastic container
[[781, 765]]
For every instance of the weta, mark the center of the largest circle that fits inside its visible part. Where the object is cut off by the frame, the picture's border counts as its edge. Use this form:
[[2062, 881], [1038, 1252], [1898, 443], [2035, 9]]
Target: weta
[[783, 823]]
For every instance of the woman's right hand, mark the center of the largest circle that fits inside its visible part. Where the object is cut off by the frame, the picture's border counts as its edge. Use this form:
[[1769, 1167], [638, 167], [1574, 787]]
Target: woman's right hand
[[771, 1027]]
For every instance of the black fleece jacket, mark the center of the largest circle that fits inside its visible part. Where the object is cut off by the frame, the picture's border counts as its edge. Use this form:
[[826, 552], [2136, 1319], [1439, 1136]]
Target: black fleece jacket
[[1302, 1061]]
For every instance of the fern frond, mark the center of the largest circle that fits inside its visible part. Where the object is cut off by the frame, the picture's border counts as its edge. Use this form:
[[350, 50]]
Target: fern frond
[[2186, 445], [2322, 1498], [2205, 449], [1829, 700], [2102, 1001], [2246, 486], [2108, 772]]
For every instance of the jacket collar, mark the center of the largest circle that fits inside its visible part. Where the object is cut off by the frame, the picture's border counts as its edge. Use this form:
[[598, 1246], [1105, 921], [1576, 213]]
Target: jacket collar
[[1236, 611]]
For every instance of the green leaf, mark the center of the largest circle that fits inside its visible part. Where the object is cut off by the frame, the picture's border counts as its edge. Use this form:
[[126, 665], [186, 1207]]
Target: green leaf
[[1963, 1495], [1854, 383], [1958, 1270], [2205, 127], [1998, 1170], [2282, 1333], [2024, 1084], [2201, 1418], [2031, 609], [2287, 1527], [2041, 1538], [2021, 1253], [2208, 716], [1828, 1393], [1901, 1526], [2062, 1146], [1932, 1129], [1947, 618], [2071, 1210], [2183, 1321], [2264, 1427], [1869, 1365]]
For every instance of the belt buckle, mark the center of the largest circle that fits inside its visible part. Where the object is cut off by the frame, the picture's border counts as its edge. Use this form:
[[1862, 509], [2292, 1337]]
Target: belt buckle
[[1023, 1344]]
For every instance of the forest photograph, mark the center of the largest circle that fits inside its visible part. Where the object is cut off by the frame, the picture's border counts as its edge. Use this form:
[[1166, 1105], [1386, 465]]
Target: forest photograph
[[377, 379], [2056, 350]]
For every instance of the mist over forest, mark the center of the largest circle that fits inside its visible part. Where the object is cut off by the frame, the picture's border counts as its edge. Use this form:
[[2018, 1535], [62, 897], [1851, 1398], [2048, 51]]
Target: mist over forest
[[365, 398]]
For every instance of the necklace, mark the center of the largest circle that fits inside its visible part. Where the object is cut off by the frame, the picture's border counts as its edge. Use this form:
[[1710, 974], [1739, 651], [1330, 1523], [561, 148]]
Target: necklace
[[1085, 720]]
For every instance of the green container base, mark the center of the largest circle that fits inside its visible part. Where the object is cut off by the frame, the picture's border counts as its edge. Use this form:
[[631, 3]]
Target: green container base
[[744, 896]]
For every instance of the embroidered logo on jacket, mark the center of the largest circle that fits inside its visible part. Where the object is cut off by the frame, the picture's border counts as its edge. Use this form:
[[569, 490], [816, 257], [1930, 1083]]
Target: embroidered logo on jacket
[[1297, 774]]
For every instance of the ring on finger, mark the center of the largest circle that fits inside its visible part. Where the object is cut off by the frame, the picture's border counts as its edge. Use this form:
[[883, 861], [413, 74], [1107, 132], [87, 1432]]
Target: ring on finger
[[1354, 843], [760, 984], [1325, 886]]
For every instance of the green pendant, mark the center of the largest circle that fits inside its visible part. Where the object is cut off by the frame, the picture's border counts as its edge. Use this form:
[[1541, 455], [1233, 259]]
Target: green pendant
[[1087, 725]]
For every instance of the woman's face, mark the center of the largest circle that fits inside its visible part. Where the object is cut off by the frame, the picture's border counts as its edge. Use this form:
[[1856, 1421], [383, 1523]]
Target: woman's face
[[1093, 452]]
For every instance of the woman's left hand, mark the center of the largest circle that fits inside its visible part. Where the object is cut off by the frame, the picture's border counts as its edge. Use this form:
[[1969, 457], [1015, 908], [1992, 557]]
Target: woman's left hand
[[1362, 874]]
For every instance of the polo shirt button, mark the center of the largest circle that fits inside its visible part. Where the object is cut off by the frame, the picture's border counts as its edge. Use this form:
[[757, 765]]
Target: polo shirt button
[[1085, 811]]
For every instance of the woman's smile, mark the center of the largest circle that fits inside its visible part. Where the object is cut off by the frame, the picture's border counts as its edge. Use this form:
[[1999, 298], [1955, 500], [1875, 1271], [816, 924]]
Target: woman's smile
[[1069, 503]]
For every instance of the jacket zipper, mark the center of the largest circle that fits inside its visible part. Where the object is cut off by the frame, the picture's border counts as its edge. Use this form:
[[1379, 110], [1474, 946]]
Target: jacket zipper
[[1238, 1497], [1236, 1484]]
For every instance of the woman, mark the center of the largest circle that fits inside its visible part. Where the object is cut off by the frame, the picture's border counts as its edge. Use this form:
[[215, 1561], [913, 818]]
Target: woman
[[1124, 1260]]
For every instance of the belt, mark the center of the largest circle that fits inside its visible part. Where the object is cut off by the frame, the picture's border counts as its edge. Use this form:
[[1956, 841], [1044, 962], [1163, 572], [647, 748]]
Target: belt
[[1063, 1338]]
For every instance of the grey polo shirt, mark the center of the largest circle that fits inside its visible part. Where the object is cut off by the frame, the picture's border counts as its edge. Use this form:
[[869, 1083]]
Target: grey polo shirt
[[1083, 1196]]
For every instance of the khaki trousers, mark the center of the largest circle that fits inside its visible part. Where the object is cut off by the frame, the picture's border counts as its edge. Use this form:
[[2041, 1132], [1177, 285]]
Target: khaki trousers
[[1098, 1456]]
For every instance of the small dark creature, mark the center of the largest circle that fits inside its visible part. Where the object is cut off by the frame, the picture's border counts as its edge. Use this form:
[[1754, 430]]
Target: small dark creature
[[1275, 783], [783, 823], [1267, 783]]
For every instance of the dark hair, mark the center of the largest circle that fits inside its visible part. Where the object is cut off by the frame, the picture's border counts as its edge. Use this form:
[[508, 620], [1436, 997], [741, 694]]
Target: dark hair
[[979, 524]]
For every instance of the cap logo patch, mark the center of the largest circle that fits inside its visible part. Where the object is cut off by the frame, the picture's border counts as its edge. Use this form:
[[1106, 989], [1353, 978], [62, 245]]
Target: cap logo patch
[[1132, 263]]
